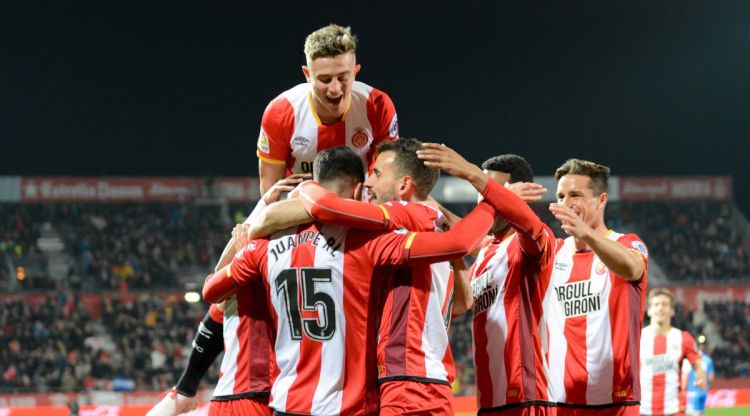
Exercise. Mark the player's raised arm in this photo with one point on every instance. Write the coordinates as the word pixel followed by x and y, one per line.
pixel 506 202
pixel 400 247
pixel 326 206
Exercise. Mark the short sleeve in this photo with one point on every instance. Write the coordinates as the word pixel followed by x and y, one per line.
pixel 276 129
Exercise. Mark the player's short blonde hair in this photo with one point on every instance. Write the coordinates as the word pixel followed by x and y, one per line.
pixel 599 174
pixel 661 292
pixel 330 41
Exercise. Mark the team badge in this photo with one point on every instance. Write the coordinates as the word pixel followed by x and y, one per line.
pixel 393 129
pixel 600 268
pixel 360 138
pixel 263 142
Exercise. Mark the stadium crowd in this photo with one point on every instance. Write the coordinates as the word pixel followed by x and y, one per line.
pixel 59 345
pixel 694 242
pixel 138 245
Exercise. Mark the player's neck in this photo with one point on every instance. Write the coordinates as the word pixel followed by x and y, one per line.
pixel 660 329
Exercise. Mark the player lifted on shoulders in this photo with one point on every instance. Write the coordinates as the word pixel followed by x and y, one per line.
pixel 331 109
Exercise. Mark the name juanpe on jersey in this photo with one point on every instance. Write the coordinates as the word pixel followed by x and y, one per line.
pixel 312 237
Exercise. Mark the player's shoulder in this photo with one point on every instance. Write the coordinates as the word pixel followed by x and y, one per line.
pixel 422 217
pixel 367 93
pixel 632 241
pixel 287 100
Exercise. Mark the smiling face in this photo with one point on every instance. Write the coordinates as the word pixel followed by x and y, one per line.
pixel 385 181
pixel 660 310
pixel 331 79
pixel 576 193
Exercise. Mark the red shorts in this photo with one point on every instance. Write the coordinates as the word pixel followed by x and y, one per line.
pixel 532 410
pixel 631 410
pixel 249 406
pixel 414 398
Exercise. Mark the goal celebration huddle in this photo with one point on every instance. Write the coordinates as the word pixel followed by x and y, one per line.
pixel 338 298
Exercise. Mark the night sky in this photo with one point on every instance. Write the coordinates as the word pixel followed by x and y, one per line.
pixel 178 87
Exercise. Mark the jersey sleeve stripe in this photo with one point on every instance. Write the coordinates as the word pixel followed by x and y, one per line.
pixel 387 216
pixel 269 160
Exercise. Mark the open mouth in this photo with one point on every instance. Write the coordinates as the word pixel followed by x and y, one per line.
pixel 335 101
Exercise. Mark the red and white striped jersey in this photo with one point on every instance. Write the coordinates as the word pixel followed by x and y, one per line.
pixel 291 133
pixel 594 319
pixel 413 337
pixel 416 301
pixel 322 355
pixel 248 344
pixel 508 287
pixel 661 356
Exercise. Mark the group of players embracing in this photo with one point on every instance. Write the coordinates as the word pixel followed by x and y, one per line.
pixel 329 303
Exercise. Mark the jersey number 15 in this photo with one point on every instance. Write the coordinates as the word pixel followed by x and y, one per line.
pixel 288 284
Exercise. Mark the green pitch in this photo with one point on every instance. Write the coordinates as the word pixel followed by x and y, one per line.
pixel 734 411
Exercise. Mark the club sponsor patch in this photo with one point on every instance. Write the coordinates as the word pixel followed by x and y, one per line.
pixel 263 142
pixel 640 247
pixel 393 129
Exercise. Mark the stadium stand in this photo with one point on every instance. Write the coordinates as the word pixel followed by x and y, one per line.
pixel 130 255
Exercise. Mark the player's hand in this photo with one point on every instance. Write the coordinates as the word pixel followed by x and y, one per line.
pixel 174 404
pixel 528 191
pixel 700 378
pixel 240 236
pixel 443 157
pixel 284 185
pixel 571 224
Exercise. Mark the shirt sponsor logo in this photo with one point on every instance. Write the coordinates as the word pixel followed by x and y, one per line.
pixel 263 142
pixel 659 364
pixel 360 138
pixel 579 298
pixel 393 129
pixel 484 294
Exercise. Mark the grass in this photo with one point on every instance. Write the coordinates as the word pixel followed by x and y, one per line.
pixel 734 411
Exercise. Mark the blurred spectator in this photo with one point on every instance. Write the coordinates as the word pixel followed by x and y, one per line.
pixel 51 348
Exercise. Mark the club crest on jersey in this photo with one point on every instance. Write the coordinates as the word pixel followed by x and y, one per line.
pixel 393 128
pixel 600 268
pixel 263 142
pixel 640 247
pixel 360 138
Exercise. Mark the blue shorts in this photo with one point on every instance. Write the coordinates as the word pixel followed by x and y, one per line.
pixel 696 402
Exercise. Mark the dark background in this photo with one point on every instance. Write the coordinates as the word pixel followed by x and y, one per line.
pixel 178 87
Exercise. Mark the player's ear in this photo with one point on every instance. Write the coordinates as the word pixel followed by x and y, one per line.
pixel 306 72
pixel 603 198
pixel 358 191
pixel 357 68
